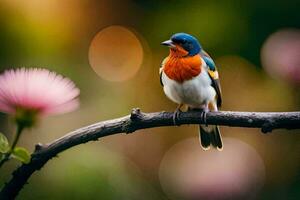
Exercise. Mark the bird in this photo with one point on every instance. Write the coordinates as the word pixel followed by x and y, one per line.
pixel 189 77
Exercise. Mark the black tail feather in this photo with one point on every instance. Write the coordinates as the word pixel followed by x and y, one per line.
pixel 210 135
pixel 217 138
pixel 204 138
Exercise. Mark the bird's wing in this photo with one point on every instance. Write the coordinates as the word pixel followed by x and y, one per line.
pixel 160 75
pixel 214 75
pixel 161 71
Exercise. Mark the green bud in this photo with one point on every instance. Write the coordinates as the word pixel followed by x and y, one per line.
pixel 26 118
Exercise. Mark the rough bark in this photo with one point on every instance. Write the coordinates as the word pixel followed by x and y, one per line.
pixel 138 120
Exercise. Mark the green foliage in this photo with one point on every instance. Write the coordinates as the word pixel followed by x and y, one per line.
pixel 4 145
pixel 21 154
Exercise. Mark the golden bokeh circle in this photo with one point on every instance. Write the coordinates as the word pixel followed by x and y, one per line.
pixel 116 53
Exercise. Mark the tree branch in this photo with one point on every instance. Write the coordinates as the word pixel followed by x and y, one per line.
pixel 138 120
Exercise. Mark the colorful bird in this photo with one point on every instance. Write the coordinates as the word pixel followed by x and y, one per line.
pixel 189 77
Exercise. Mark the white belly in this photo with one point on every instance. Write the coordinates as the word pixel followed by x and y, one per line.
pixel 195 92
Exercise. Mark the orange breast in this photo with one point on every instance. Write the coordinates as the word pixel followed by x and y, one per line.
pixel 182 68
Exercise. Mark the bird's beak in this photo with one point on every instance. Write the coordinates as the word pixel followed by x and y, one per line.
pixel 169 43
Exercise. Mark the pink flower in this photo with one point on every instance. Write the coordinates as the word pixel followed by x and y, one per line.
pixel 36 92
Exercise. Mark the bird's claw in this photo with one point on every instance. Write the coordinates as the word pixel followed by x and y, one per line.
pixel 176 116
pixel 203 117
pixel 203 114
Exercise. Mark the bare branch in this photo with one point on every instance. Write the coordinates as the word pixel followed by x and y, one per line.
pixel 138 120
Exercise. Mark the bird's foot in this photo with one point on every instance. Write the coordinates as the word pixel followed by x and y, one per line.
pixel 176 115
pixel 203 117
pixel 203 114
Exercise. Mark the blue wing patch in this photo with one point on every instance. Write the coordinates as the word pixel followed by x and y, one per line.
pixel 209 62
pixel 213 74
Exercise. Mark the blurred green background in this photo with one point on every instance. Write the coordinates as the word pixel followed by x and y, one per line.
pixel 111 50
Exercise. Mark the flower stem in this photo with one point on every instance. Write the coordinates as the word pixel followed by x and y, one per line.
pixel 17 137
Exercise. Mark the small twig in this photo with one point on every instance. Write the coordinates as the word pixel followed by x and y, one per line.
pixel 138 120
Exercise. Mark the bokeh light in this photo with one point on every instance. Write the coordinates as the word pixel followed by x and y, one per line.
pixel 281 55
pixel 116 53
pixel 57 35
pixel 188 172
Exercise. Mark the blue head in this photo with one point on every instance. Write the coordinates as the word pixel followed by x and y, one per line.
pixel 188 42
